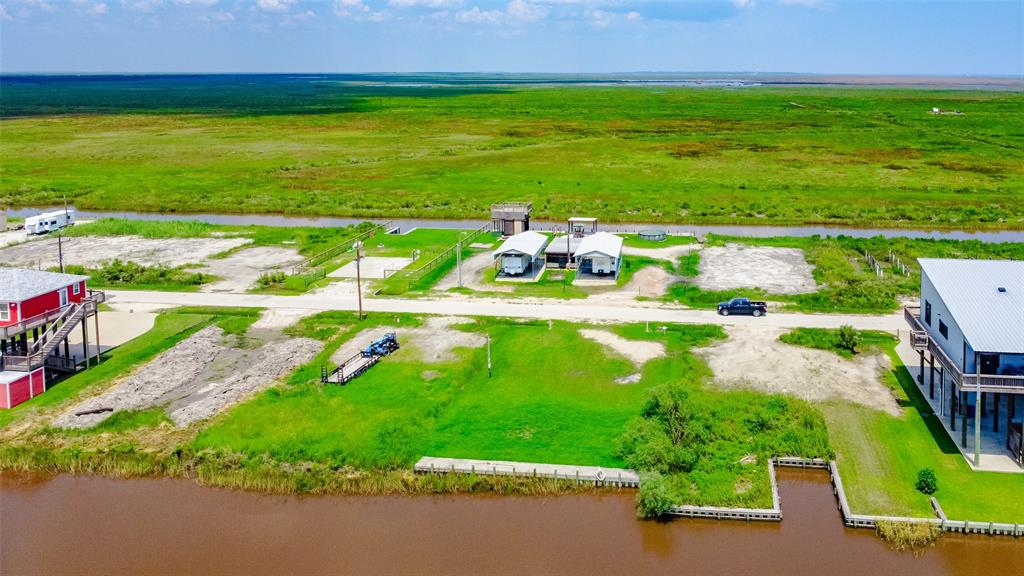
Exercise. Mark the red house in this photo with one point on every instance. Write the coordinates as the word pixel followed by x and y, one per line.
pixel 38 311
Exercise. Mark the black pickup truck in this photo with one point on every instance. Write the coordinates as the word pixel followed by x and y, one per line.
pixel 742 306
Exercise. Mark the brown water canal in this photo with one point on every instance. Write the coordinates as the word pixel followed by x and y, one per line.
pixel 90 525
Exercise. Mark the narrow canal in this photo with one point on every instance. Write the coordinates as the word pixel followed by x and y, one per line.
pixel 91 525
pixel 405 224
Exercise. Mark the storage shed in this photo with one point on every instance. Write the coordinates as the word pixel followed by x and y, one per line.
pixel 580 226
pixel 511 218
pixel 522 254
pixel 599 254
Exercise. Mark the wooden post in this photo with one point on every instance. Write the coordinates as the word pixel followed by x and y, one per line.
pixel 942 390
pixel 96 323
pixel 920 373
pixel 952 406
pixel 963 418
pixel 85 342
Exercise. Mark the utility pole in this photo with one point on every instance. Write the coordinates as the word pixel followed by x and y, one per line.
pixel 359 279
pixel 60 238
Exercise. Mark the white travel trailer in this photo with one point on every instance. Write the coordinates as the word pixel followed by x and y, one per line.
pixel 49 222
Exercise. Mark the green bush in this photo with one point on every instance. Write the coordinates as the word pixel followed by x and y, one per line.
pixel 848 338
pixel 653 499
pixel 119 272
pixel 927 483
pixel 268 279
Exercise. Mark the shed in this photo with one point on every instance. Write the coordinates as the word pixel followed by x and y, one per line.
pixel 521 254
pixel 599 254
pixel 511 218
pixel 559 252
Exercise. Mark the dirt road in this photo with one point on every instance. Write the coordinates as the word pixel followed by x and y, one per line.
pixel 520 308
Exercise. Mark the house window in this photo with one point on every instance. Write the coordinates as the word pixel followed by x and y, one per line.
pixel 5 312
pixel 76 288
pixel 927 312
pixel 943 329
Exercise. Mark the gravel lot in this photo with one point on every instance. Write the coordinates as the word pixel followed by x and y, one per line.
pixel 774 270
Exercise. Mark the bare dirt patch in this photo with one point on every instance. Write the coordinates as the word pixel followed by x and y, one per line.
pixel 94 251
pixel 259 370
pixel 165 378
pixel 280 318
pixel 639 352
pixel 774 270
pixel 239 271
pixel 473 269
pixel 434 341
pixel 754 358
pixel 197 378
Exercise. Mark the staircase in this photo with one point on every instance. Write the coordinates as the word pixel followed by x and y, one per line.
pixel 39 350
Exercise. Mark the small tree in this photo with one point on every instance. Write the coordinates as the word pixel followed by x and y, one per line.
pixel 848 338
pixel 653 500
pixel 927 483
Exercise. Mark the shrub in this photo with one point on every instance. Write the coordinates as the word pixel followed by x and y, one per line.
pixel 927 483
pixel 848 338
pixel 268 279
pixel 653 498
pixel 907 535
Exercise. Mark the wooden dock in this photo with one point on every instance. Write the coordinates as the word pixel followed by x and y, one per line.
pixel 590 474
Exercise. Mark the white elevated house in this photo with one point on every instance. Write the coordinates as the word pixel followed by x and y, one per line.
pixel 599 254
pixel 971 326
pixel 521 254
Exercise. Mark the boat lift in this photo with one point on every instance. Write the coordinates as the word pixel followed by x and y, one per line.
pixel 361 361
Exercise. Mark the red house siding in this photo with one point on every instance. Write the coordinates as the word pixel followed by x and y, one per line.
pixel 42 304
pixel 22 389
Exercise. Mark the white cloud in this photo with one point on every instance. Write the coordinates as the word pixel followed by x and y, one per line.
pixel 515 11
pixel 350 8
pixel 218 16
pixel 4 14
pixel 599 18
pixel 195 2
pixel 526 11
pixel 634 16
pixel 744 3
pixel 804 3
pixel 478 16
pixel 90 7
pixel 274 5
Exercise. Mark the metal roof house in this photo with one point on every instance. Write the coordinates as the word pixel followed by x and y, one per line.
pixel 599 254
pixel 559 251
pixel 38 311
pixel 522 254
pixel 971 325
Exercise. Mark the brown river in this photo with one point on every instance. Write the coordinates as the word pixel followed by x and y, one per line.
pixel 91 525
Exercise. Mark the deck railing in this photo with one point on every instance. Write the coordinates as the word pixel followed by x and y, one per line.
pixel 988 382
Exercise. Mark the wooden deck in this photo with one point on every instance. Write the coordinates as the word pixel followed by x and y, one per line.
pixel 591 474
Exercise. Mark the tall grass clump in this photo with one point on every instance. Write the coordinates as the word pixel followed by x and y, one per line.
pixel 902 536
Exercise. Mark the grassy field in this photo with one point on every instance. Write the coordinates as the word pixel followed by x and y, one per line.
pixel 879 457
pixel 854 156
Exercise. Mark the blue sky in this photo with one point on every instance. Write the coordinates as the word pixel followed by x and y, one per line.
pixel 816 36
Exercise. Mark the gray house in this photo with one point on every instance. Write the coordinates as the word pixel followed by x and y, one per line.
pixel 970 324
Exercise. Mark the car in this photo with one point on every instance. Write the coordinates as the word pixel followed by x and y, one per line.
pixel 743 306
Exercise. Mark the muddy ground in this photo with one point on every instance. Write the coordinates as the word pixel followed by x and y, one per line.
pixel 774 270
pixel 669 253
pixel 754 358
pixel 200 376
pixel 639 352
pixel 473 269
pixel 240 270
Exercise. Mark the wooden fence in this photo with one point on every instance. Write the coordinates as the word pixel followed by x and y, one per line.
pixel 415 274
pixel 315 260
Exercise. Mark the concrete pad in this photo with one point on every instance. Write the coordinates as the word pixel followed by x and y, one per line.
pixel 239 271
pixel 94 251
pixel 372 267
pixel 774 270
pixel 116 328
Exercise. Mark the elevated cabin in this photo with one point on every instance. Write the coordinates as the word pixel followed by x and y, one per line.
pixel 38 311
pixel 511 218
pixel 970 325
pixel 521 254
pixel 580 226
pixel 560 250
pixel 599 254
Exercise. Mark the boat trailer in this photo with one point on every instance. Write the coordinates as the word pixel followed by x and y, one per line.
pixel 361 361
